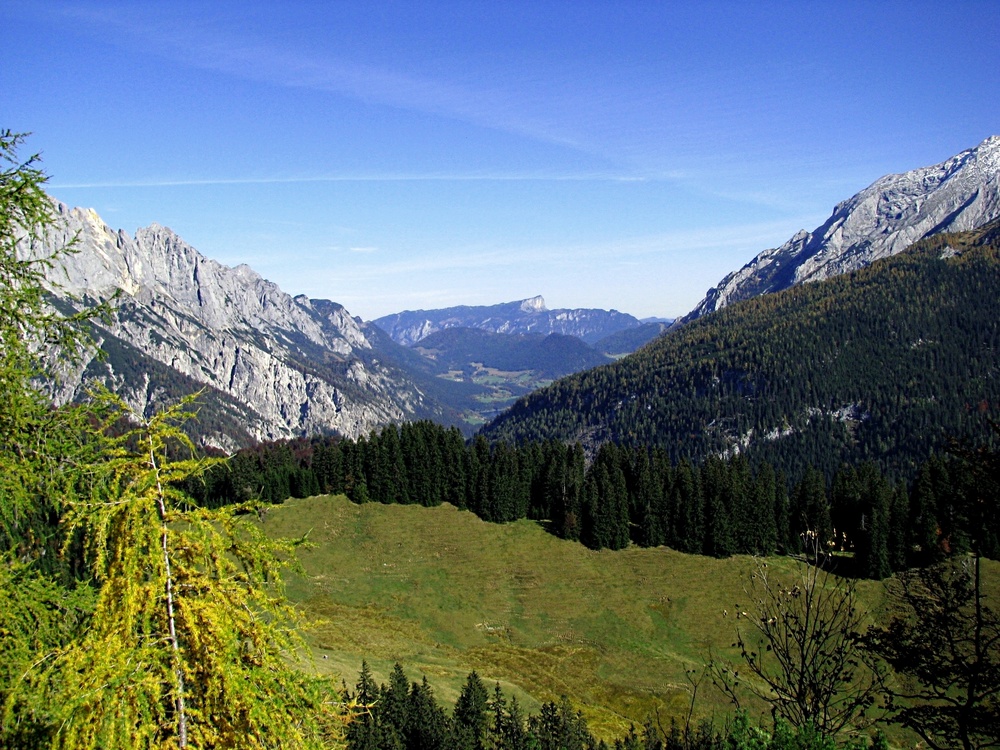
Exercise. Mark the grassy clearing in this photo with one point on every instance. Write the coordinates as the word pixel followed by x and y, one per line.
pixel 443 593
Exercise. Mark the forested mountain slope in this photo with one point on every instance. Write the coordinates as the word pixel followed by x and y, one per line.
pixel 885 363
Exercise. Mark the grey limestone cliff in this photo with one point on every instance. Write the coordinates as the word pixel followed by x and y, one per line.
pixel 292 365
pixel 897 210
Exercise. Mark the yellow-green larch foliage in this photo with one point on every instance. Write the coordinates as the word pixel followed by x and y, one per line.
pixel 42 450
pixel 191 643
pixel 129 617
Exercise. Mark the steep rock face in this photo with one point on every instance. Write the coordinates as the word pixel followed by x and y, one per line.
pixel 296 366
pixel 897 210
pixel 524 316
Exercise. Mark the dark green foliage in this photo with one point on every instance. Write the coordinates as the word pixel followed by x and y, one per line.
pixel 427 727
pixel 881 364
pixel 631 495
pixel 410 720
pixel 559 727
pixel 944 643
pixel 606 514
pixel 549 356
pixel 367 729
pixel 507 727
pixel 810 511
pixel 470 720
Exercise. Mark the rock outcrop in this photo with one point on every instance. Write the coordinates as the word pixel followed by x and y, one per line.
pixel 959 194
pixel 283 366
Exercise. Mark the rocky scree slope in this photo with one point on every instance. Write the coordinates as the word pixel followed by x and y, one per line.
pixel 283 366
pixel 897 210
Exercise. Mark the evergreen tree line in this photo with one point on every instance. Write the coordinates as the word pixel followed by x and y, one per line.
pixel 629 495
pixel 405 715
pixel 881 365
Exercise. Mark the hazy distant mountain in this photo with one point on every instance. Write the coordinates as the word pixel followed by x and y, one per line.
pixel 627 341
pixel 548 356
pixel 274 366
pixel 525 316
pixel 883 219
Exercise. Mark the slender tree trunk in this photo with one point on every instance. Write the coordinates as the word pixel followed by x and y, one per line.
pixel 178 672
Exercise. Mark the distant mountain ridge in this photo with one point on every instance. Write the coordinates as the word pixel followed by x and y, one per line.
pixel 549 356
pixel 523 316
pixel 958 194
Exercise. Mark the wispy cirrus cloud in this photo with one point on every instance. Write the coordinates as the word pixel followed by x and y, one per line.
pixel 208 41
pixel 361 178
pixel 752 237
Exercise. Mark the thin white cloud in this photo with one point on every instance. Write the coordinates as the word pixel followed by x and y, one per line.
pixel 402 177
pixel 752 238
pixel 210 44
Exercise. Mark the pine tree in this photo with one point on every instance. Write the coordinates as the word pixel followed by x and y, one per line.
pixel 365 731
pixel 899 515
pixel 428 726
pixel 559 727
pixel 924 528
pixel 873 545
pixel 689 509
pixel 788 542
pixel 811 513
pixel 507 730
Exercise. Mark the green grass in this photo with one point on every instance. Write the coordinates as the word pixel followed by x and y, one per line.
pixel 443 593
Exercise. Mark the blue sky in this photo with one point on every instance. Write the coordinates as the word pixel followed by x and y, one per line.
pixel 396 155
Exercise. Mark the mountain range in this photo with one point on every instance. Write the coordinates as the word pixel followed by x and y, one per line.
pixel 526 316
pixel 274 366
pixel 885 364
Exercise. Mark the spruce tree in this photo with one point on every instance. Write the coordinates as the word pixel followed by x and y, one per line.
pixel 428 725
pixel 471 717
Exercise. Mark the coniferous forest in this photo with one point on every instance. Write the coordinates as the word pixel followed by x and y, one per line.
pixel 884 364
pixel 625 496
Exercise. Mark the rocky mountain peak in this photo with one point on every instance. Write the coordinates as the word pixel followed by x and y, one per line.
pixel 533 304
pixel 287 366
pixel 958 194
